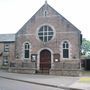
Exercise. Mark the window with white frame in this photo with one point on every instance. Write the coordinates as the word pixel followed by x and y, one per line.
pixel 26 50
pixel 5 60
pixel 6 47
pixel 65 49
pixel 45 33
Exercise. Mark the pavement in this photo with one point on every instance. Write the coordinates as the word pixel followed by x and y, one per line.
pixel 63 82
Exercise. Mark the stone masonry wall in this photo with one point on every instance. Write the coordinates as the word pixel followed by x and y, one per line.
pixel 66 68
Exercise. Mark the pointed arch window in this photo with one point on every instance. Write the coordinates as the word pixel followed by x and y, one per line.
pixel 65 49
pixel 26 50
pixel 45 13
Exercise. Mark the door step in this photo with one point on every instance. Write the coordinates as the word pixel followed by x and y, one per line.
pixel 46 72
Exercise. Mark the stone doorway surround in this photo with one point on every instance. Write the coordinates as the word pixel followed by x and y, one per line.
pixel 38 57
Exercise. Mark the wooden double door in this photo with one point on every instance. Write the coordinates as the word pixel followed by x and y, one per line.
pixel 45 61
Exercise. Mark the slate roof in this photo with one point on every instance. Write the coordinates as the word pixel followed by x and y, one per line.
pixel 7 37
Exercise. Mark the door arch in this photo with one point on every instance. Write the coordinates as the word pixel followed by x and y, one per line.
pixel 45 60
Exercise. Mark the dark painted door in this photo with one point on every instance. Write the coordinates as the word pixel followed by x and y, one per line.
pixel 45 60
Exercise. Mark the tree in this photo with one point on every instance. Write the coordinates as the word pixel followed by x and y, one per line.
pixel 85 47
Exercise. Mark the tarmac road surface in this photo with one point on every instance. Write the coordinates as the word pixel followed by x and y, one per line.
pixel 6 84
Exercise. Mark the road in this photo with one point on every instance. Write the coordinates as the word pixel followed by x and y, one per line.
pixel 6 84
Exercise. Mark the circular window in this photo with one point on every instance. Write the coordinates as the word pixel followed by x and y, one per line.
pixel 45 33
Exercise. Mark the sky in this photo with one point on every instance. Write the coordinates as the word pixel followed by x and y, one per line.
pixel 15 13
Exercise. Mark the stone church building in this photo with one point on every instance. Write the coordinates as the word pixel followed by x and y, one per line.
pixel 47 43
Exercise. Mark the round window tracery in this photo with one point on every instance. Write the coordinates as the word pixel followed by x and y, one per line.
pixel 45 33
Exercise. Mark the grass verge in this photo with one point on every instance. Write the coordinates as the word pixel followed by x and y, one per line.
pixel 85 80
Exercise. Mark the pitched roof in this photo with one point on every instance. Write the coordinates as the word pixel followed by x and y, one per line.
pixel 7 37
pixel 39 13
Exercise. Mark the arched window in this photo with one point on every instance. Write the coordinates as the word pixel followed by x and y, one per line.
pixel 45 13
pixel 65 49
pixel 26 50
